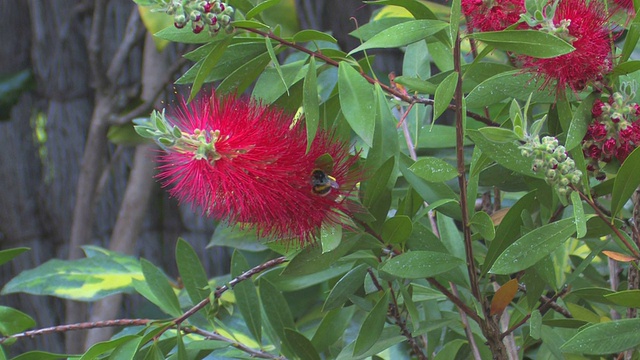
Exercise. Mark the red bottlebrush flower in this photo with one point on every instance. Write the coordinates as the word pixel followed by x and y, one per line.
pixel 591 59
pixel 247 164
pixel 492 15
pixel 597 131
pixel 623 151
pixel 609 147
pixel 594 152
pixel 596 110
pixel 627 134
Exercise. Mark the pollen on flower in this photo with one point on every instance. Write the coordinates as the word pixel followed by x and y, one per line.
pixel 586 24
pixel 492 15
pixel 245 163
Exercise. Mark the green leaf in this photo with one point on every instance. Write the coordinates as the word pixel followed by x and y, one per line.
pixel 313 35
pixel 86 279
pixel 415 64
pixel 533 246
pixel 159 285
pixel 626 182
pixel 7 255
pixel 482 222
pixel 397 229
pixel 310 102
pixel 499 135
pixel 345 287
pixel 242 77
pixel 433 169
pixel 275 62
pixel 332 327
pixel 191 272
pixel 126 350
pixel 313 260
pixel 357 101
pixel 535 324
pixel 13 321
pixel 630 41
pixel 444 94
pixel 260 8
pixel 234 237
pixel 301 346
pixel 605 338
pixel 402 34
pixel 330 236
pixel 430 192
pixel 421 86
pixel 505 154
pixel 249 24
pixel 450 350
pixel 105 346
pixel 626 298
pixel 533 43
pixel 208 63
pixel 509 229
pixel 40 355
pixel 420 264
pixel 507 85
pixel 277 311
pixel 247 296
pixel 578 214
pixel 372 326
pixel 418 9
pixel 581 120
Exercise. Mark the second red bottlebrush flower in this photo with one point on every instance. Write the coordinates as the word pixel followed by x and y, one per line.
pixel 584 25
pixel 492 15
pixel 248 164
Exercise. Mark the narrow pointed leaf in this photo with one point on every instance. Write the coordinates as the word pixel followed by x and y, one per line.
pixel 159 285
pixel 532 247
pixel 301 346
pixel 247 296
pixel 526 42
pixel 402 34
pixel 191 272
pixel 444 94
pixel 434 169
pixel 208 63
pixel 504 296
pixel 420 264
pixel 578 214
pixel 345 287
pixel 605 338
pixel 357 101
pixel 372 326
pixel 7 255
pixel 626 182
pixel 310 102
pixel 397 229
pixel 13 321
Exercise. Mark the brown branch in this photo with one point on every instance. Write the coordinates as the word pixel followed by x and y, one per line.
pixel 219 291
pixel 402 324
pixel 455 300
pixel 462 181
pixel 78 326
pixel 410 99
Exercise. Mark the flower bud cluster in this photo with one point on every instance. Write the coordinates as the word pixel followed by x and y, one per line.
pixel 212 14
pixel 551 159
pixel 614 132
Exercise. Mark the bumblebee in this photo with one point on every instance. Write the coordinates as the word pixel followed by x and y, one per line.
pixel 321 183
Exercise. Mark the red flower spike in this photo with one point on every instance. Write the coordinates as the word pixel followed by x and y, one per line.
pixel 596 110
pixel 609 147
pixel 592 55
pixel 492 15
pixel 251 168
